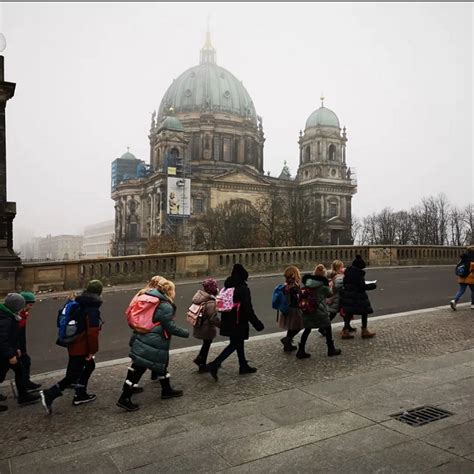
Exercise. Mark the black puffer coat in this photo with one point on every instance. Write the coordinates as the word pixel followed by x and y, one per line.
pixel 354 299
pixel 8 333
pixel 237 325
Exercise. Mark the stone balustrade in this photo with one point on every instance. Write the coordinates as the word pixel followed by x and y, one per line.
pixel 74 274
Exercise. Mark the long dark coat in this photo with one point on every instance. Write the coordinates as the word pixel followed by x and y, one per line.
pixel 237 326
pixel 354 299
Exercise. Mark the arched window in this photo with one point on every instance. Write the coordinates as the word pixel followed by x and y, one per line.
pixel 174 153
pixel 332 152
pixel 307 154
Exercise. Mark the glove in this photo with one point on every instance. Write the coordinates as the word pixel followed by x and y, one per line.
pixel 259 326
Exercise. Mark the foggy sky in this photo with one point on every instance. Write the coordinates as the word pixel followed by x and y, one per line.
pixel 399 77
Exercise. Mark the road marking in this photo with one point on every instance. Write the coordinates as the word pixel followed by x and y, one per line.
pixel 273 335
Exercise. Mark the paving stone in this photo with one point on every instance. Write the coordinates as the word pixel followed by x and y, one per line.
pixel 309 458
pixel 141 454
pixel 467 384
pixel 359 442
pixel 458 466
pixel 96 463
pixel 410 457
pixel 458 439
pixel 290 437
pixel 5 467
pixel 438 362
pixel 197 461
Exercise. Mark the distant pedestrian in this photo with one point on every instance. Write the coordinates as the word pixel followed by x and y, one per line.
pixel 150 350
pixel 206 329
pixel 235 323
pixel 24 357
pixel 354 298
pixel 9 353
pixel 293 321
pixel 81 350
pixel 467 259
pixel 315 311
pixel 336 283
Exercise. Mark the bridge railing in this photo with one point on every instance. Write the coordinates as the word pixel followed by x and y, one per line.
pixel 74 274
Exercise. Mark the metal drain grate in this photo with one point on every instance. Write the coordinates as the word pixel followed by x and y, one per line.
pixel 421 415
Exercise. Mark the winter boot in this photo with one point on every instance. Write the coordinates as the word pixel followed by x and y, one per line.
pixel 287 344
pixel 213 369
pixel 332 351
pixel 126 403
pixel 366 334
pixel 247 369
pixel 167 391
pixel 48 396
pixel 452 303
pixel 345 334
pixel 31 386
pixel 301 354
pixel 201 363
pixel 81 397
pixel 351 329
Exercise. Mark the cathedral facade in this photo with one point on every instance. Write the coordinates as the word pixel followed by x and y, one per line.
pixel 206 148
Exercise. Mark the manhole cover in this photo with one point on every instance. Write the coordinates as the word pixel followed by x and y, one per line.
pixel 421 415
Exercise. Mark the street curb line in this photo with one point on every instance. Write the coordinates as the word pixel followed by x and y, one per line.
pixel 273 335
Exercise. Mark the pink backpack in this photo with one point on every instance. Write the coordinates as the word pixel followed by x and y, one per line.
pixel 140 313
pixel 225 300
pixel 194 316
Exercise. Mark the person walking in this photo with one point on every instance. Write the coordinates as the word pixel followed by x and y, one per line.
pixel 336 282
pixel 235 323
pixel 25 359
pixel 315 311
pixel 467 258
pixel 293 321
pixel 81 350
pixel 206 330
pixel 151 350
pixel 354 298
pixel 9 353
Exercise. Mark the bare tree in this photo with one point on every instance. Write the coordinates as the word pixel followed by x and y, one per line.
pixel 272 215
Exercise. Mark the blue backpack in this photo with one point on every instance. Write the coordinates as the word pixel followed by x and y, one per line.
pixel 463 269
pixel 280 300
pixel 68 323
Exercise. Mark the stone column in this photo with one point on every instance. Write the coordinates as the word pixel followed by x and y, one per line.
pixel 10 264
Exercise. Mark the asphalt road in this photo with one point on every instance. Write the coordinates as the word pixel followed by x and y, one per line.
pixel 399 289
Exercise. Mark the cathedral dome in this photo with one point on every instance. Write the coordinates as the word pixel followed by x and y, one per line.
pixel 322 117
pixel 208 87
pixel 172 123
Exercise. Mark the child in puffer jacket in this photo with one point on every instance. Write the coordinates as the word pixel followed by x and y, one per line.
pixel 151 350
pixel 206 330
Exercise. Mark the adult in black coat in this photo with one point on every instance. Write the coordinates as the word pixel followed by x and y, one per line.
pixel 235 323
pixel 354 299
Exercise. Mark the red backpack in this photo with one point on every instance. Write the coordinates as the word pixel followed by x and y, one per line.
pixel 140 312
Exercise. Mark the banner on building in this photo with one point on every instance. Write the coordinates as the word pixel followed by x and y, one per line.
pixel 178 202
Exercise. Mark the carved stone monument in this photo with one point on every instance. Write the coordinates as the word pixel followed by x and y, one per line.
pixel 9 262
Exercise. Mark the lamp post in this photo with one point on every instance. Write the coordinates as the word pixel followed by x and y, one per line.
pixel 9 262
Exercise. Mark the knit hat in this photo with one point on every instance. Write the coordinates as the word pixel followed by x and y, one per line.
pixel 210 286
pixel 239 271
pixel 29 296
pixel 95 287
pixel 14 302
pixel 359 262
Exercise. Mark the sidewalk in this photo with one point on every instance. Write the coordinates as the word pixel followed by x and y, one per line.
pixel 316 415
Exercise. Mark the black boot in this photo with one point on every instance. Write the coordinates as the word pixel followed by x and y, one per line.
pixel 332 351
pixel 126 403
pixel 167 391
pixel 247 369
pixel 288 344
pixel 213 368
pixel 201 363
pixel 301 354
pixel 48 396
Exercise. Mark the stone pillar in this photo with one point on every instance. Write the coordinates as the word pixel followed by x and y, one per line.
pixel 10 264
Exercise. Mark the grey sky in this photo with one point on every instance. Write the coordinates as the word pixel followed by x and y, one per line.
pixel 399 76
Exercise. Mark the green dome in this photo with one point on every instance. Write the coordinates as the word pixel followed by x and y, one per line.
pixel 208 87
pixel 172 123
pixel 128 156
pixel 322 117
